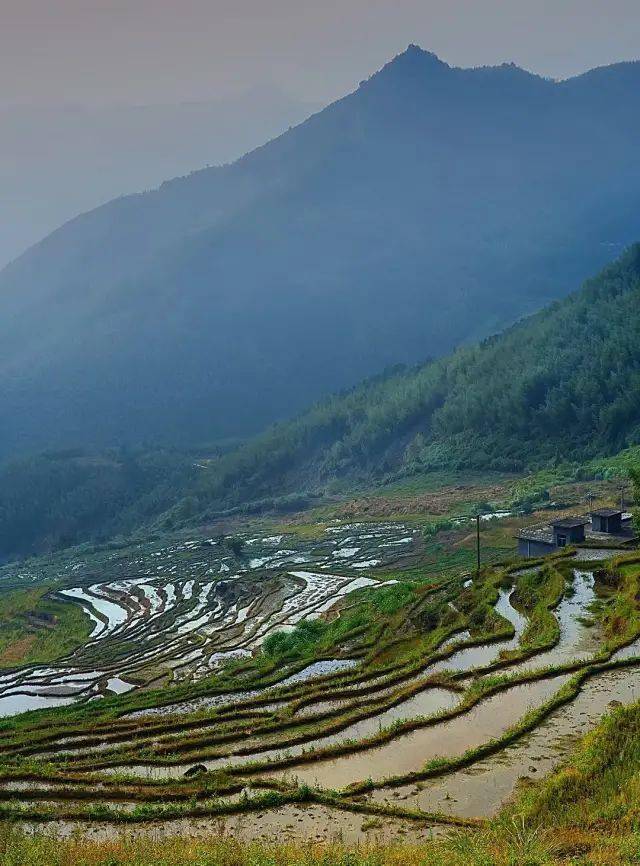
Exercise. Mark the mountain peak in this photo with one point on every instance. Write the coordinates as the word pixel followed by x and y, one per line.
pixel 414 63
pixel 413 50
pixel 418 58
pixel 428 209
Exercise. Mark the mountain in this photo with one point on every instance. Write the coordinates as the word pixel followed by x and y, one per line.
pixel 429 208
pixel 561 385
pixel 61 160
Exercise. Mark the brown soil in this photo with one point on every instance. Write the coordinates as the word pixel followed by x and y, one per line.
pixel 435 502
pixel 16 651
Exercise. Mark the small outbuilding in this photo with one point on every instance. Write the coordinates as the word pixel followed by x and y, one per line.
pixel 606 526
pixel 607 520
pixel 568 530
pixel 535 541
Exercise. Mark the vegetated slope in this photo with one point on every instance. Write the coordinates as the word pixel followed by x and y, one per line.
pixel 60 499
pixel 563 384
pixel 432 206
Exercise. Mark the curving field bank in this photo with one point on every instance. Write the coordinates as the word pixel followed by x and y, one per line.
pixel 344 703
pixel 162 614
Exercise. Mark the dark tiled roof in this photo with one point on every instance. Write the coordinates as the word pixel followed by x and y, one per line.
pixel 569 522
pixel 607 512
pixel 542 534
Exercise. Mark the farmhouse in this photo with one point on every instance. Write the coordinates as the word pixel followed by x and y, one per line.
pixel 606 525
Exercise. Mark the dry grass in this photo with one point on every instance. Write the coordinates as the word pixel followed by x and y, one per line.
pixel 511 844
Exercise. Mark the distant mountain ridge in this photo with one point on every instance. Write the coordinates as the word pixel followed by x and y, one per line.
pixel 61 160
pixel 431 207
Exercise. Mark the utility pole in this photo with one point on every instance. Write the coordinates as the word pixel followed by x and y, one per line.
pixel 478 545
pixel 623 487
pixel 590 496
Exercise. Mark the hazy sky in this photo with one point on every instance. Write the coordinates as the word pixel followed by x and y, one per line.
pixel 138 51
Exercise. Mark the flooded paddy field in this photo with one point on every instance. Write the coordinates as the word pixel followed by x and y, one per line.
pixel 480 789
pixel 483 722
pixel 181 612
pixel 426 703
pixel 579 638
pixel 311 690
pixel 313 823
pixel 480 656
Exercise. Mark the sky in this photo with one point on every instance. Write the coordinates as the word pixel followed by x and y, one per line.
pixel 130 52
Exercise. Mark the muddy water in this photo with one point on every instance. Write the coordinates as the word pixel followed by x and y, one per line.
pixel 310 823
pixel 322 707
pixel 480 656
pixel 426 703
pixel 82 805
pixel 489 719
pixel 577 641
pixel 481 789
pixel 12 704
pixel 627 652
pixel 354 700
pixel 19 785
pixel 379 685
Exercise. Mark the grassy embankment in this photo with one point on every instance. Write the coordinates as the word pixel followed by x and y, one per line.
pixel 584 813
pixel 618 591
pixel 36 629
pixel 284 730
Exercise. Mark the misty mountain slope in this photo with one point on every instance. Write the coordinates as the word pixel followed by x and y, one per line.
pixel 60 160
pixel 563 384
pixel 431 207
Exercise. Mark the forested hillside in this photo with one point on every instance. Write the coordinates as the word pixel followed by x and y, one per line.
pixel 561 385
pixel 431 207
pixel 60 499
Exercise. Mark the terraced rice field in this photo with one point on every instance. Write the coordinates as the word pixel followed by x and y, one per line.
pixel 419 704
pixel 153 621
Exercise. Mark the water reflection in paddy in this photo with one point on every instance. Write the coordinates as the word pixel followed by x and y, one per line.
pixel 468 658
pixel 322 668
pixel 463 660
pixel 426 703
pixel 578 641
pixel 10 705
pixel 481 656
pixel 481 789
pixel 486 720
pixel 308 823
